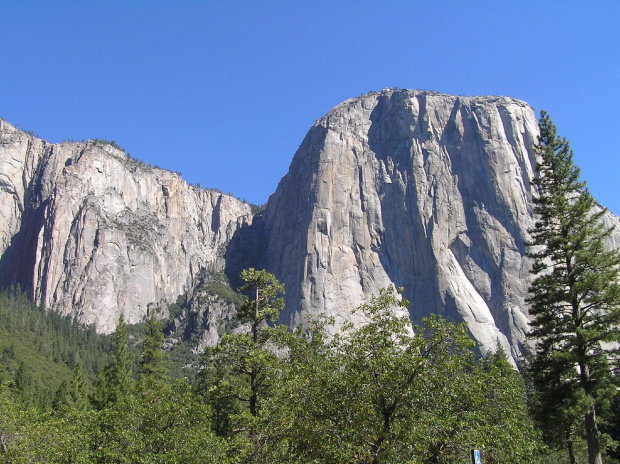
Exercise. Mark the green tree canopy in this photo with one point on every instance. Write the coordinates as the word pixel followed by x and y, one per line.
pixel 238 373
pixel 388 393
pixel 265 302
pixel 115 380
pixel 152 359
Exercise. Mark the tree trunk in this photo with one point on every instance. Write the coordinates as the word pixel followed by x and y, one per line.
pixel 4 448
pixel 255 322
pixel 569 446
pixel 254 373
pixel 592 437
pixel 253 392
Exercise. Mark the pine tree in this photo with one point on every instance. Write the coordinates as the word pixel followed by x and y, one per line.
pixel 264 303
pixel 237 372
pixel 575 296
pixel 78 388
pixel 22 385
pixel 263 306
pixel 60 401
pixel 115 380
pixel 152 358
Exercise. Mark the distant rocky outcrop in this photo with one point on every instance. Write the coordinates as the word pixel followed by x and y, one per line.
pixel 422 190
pixel 88 231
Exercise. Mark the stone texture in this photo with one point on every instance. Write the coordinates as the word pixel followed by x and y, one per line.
pixel 86 230
pixel 425 191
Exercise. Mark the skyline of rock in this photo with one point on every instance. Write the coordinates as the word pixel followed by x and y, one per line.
pixel 426 191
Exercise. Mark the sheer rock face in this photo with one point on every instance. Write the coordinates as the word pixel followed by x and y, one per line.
pixel 421 190
pixel 425 191
pixel 87 231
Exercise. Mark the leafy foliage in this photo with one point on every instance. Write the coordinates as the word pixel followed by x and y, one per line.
pixel 384 393
pixel 159 422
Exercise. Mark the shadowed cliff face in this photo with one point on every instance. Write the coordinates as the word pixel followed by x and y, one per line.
pixel 426 191
pixel 87 231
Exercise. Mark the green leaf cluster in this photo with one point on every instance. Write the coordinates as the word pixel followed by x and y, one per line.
pixel 385 392
pixel 390 393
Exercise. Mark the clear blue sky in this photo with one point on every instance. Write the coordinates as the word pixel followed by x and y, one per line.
pixel 225 91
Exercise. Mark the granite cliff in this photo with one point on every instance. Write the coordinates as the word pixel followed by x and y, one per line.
pixel 422 190
pixel 88 231
pixel 425 191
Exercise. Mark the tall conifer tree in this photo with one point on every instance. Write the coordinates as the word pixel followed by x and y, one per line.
pixel 115 380
pixel 263 306
pixel 152 363
pixel 78 388
pixel 239 370
pixel 575 296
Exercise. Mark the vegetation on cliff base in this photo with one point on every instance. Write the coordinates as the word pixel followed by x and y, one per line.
pixel 382 393
pixel 40 348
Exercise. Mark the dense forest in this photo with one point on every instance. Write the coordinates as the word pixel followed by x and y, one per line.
pixel 378 394
pixel 385 392
pixel 39 349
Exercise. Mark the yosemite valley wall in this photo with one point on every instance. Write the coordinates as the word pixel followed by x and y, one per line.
pixel 427 191
pixel 86 230
pixel 422 190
